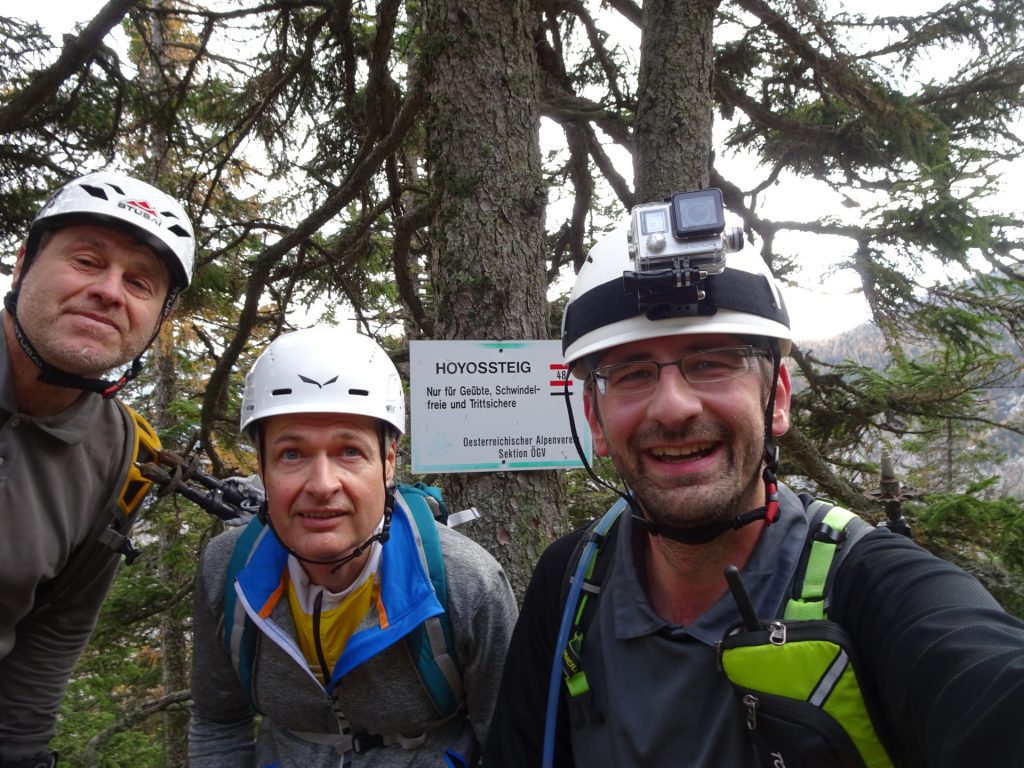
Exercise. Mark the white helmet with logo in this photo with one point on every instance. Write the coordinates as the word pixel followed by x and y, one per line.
pixel 742 300
pixel 127 204
pixel 131 206
pixel 323 370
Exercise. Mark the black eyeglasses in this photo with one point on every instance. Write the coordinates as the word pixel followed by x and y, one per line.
pixel 705 367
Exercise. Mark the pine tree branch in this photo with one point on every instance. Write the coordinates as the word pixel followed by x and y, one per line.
pixel 369 159
pixel 801 452
pixel 93 753
pixel 73 57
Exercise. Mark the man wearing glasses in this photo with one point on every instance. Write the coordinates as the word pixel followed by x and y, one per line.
pixel 686 391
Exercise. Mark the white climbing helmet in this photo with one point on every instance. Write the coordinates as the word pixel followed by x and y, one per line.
pixel 743 300
pixel 323 370
pixel 127 204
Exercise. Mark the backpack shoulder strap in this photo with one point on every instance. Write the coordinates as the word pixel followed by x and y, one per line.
pixel 145 447
pixel 831 533
pixel 589 564
pixel 112 531
pixel 431 644
pixel 239 630
pixel 430 495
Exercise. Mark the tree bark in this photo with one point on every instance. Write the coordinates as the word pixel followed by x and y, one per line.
pixel 675 104
pixel 487 265
pixel 174 656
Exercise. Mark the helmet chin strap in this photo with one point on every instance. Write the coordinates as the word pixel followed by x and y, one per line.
pixel 771 450
pixel 700 534
pixel 50 374
pixel 705 533
pixel 263 513
pixel 382 535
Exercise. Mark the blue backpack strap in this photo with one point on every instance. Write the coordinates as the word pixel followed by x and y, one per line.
pixel 431 644
pixel 429 495
pixel 590 569
pixel 581 589
pixel 239 630
pixel 832 532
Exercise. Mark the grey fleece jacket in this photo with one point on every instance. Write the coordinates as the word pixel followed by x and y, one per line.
pixel 382 696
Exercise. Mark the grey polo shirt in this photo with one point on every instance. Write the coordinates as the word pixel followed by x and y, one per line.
pixel 656 685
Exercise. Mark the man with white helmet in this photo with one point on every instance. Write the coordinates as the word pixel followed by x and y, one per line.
pixel 338 587
pixel 104 260
pixel 708 559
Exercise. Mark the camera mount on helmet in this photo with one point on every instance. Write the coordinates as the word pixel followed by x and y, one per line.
pixel 675 245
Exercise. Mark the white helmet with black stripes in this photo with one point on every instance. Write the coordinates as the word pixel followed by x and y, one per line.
pixel 121 202
pixel 743 300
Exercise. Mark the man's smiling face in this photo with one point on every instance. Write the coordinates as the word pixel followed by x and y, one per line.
pixel 692 454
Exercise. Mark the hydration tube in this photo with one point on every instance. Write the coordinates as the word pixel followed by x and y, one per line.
pixel 551 715
pixel 572 599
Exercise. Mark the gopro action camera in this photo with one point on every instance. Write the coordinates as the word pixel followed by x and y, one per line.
pixel 675 245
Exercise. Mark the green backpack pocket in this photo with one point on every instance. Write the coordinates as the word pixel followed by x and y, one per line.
pixel 799 687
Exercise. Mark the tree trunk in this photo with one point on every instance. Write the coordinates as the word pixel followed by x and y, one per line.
pixel 173 648
pixel 174 656
pixel 675 105
pixel 488 251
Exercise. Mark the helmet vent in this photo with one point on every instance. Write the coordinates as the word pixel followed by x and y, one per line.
pixel 96 191
pixel 360 392
pixel 179 230
pixel 279 392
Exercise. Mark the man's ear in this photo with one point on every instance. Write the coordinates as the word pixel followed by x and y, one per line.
pixel 783 390
pixel 594 420
pixel 18 265
pixel 389 461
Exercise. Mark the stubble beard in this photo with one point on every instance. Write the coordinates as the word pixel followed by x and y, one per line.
pixel 699 502
pixel 70 354
pixel 82 359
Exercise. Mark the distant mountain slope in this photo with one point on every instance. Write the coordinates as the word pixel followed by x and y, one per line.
pixel 864 345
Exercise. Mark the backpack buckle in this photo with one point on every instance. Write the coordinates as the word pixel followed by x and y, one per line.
pixel 119 543
pixel 364 742
pixel 829 535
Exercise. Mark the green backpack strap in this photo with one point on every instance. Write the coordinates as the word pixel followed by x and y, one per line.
pixel 431 644
pixel 797 678
pixel 239 630
pixel 832 533
pixel 599 537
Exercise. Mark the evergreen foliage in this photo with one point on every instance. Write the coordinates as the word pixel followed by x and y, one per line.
pixel 298 134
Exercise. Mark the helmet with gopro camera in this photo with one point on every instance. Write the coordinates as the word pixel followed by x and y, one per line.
pixel 674 270
pixel 652 278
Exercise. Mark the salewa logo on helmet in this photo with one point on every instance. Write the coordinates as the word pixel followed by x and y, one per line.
pixel 142 208
pixel 318 384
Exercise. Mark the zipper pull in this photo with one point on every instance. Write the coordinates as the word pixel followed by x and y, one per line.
pixel 777 633
pixel 318 604
pixel 750 702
